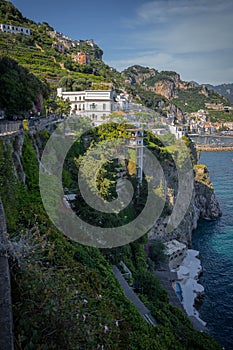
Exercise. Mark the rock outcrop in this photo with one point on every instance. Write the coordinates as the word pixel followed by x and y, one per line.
pixel 163 83
pixel 165 87
pixel 203 205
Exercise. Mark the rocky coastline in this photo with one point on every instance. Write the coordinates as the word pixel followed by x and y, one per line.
pixel 191 291
pixel 215 148
pixel 204 205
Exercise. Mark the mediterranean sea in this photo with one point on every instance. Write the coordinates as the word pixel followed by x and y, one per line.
pixel 214 240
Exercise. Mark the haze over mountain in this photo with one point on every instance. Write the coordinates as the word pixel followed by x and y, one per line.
pixel 223 89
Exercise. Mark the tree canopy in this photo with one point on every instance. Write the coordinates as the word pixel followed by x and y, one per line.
pixel 20 90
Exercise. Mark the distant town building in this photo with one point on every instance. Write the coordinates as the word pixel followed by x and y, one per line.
pixel 159 131
pixel 228 125
pixel 10 28
pixel 81 58
pixel 59 47
pixel 123 102
pixel 68 42
pixel 215 106
pixel 178 130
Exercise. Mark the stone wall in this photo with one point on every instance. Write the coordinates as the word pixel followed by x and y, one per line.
pixel 6 318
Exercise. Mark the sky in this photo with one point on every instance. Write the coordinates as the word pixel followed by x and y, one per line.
pixel 192 37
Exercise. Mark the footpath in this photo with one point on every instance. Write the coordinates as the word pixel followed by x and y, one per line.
pixel 129 293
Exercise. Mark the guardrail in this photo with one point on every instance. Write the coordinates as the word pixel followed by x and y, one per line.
pixel 10 127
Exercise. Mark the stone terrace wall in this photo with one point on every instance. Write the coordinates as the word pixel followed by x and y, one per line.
pixel 6 318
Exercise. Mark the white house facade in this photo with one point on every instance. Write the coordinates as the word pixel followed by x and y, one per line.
pixel 95 104
pixel 10 28
pixel 176 252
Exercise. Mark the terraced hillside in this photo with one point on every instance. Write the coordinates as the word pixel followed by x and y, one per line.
pixel 38 52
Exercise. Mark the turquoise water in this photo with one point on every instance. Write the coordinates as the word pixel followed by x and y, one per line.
pixel 179 291
pixel 214 240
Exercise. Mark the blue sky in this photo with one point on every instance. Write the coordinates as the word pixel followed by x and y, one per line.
pixel 193 38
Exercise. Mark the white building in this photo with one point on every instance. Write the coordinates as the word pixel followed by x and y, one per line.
pixel 178 131
pixel 159 131
pixel 10 28
pixel 176 251
pixel 123 102
pixel 95 104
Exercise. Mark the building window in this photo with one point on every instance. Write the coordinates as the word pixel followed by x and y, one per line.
pixel 75 107
pixel 80 98
pixel 104 106
pixel 75 98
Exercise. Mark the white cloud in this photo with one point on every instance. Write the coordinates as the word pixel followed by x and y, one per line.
pixel 192 38
pixel 165 10
pixel 195 28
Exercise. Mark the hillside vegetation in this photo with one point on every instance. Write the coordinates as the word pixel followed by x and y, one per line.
pixel 169 88
pixel 65 294
pixel 20 90
pixel 194 99
pixel 37 53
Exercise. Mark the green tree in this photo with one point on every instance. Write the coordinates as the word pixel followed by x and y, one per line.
pixel 66 82
pixel 63 106
pixel 157 251
pixel 20 90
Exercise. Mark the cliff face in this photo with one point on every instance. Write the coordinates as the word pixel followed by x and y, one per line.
pixel 163 83
pixel 203 205
pixel 164 87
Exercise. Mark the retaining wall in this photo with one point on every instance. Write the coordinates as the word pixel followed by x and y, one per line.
pixel 6 318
